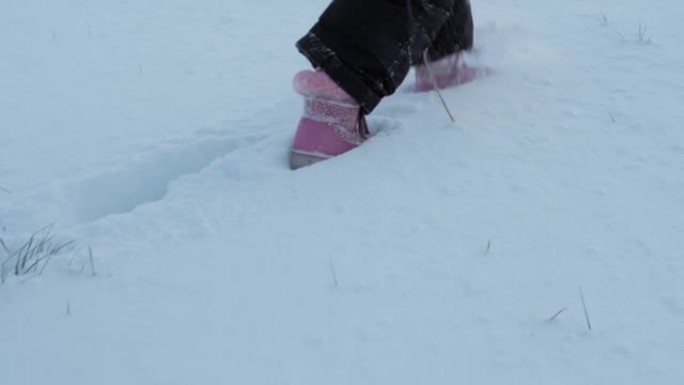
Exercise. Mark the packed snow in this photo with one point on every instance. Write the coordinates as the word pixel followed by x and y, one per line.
pixel 539 239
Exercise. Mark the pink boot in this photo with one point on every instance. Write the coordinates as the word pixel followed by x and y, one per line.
pixel 446 72
pixel 332 124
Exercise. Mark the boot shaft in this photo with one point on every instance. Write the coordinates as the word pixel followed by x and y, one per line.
pixel 332 123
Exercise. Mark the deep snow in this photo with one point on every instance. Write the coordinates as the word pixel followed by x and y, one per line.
pixel 156 132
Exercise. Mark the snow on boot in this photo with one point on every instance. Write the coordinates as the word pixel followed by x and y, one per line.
pixel 446 72
pixel 332 123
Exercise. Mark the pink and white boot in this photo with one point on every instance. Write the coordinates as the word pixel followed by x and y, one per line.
pixel 449 71
pixel 332 123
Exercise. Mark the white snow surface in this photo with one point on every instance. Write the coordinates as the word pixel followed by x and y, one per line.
pixel 156 134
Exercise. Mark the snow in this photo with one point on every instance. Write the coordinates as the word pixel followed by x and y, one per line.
pixel 156 134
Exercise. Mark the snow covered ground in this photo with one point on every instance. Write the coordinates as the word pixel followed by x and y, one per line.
pixel 155 133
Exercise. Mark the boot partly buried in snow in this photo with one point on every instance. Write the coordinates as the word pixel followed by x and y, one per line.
pixel 332 123
pixel 448 71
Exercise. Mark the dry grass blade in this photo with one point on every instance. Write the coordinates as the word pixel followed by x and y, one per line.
pixel 584 306
pixel 333 272
pixel 4 247
pixel 558 313
pixel 53 252
pixel 92 260
pixel 434 81
pixel 642 36
pixel 39 248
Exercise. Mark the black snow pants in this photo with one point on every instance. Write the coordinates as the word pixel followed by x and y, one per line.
pixel 368 46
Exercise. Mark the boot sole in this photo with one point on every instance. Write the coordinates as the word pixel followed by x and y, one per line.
pixel 298 160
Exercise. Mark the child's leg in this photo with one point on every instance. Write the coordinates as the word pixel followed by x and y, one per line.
pixel 444 53
pixel 367 46
pixel 456 35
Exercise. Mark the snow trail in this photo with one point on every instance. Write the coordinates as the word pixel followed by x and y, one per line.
pixel 435 252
